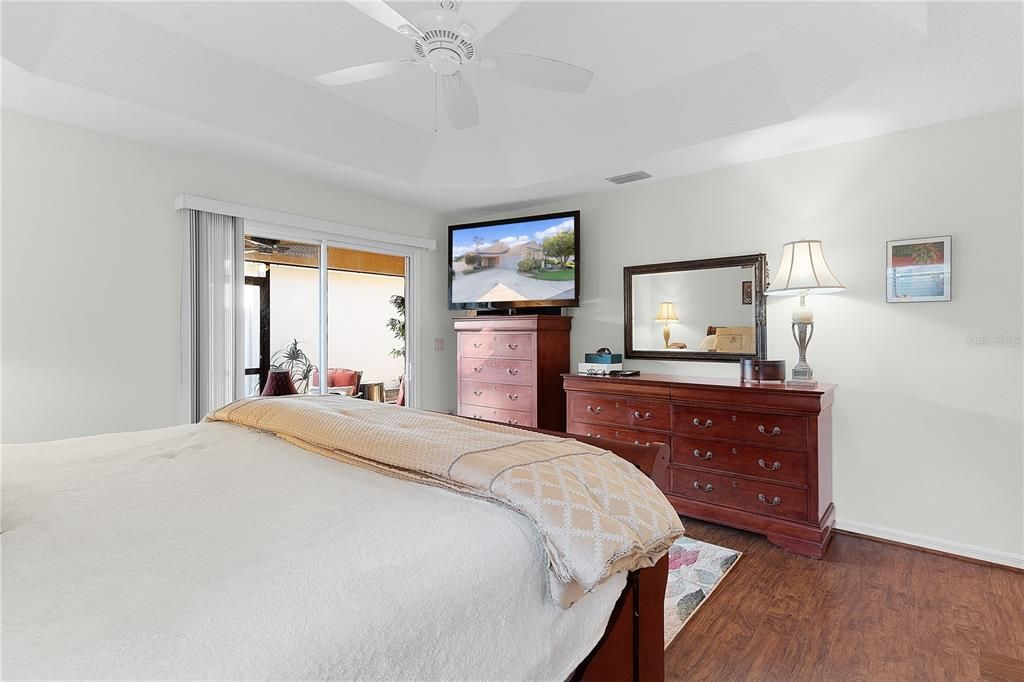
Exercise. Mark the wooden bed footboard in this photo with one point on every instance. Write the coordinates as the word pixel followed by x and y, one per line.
pixel 633 645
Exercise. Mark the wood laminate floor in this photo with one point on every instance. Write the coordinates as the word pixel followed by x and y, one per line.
pixel 869 611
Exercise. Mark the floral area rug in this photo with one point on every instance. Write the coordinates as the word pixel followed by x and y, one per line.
pixel 695 569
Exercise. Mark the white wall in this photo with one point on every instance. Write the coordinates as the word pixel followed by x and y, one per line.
pixel 91 272
pixel 927 418
pixel 358 308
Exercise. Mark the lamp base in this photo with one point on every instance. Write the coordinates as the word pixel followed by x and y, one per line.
pixel 803 330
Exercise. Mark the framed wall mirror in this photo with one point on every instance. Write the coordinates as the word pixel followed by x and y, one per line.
pixel 709 310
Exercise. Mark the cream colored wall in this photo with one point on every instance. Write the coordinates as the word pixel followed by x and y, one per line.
pixel 91 266
pixel 928 413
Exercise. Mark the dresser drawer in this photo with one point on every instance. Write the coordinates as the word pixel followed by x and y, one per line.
pixel 777 431
pixel 495 345
pixel 513 417
pixel 497 370
pixel 616 433
pixel 599 409
pixel 739 493
pixel 507 396
pixel 723 456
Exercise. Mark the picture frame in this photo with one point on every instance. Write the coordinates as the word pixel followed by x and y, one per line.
pixel 919 270
pixel 747 292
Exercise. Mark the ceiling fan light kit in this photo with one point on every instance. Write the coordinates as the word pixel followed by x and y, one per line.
pixel 444 43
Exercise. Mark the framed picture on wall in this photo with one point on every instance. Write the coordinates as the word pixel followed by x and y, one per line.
pixel 747 292
pixel 918 270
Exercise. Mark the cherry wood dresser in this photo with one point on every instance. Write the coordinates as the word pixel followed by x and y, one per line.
pixel 752 456
pixel 510 369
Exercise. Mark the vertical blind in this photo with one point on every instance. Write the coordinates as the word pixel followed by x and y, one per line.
pixel 213 278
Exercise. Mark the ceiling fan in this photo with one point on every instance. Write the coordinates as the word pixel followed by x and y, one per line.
pixel 269 247
pixel 445 43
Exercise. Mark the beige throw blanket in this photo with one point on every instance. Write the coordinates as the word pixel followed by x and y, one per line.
pixel 596 513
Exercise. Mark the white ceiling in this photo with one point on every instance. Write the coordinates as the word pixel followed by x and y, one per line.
pixel 679 87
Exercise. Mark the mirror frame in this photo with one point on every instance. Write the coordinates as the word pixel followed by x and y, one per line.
pixel 758 261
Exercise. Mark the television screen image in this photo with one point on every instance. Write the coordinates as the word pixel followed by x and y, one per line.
pixel 518 262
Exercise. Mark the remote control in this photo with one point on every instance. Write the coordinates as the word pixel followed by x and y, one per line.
pixel 624 373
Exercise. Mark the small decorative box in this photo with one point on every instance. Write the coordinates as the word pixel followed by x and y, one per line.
pixel 598 359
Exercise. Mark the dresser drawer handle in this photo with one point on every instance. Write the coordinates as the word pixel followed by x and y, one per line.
pixel 591 436
pixel 512 346
pixel 646 416
pixel 775 501
pixel 512 421
pixel 595 410
pixel 476 416
pixel 477 345
pixel 774 432
pixel 774 467
pixel 703 488
pixel 646 445
pixel 478 369
pixel 705 425
pixel 512 396
pixel 512 371
pixel 477 392
pixel 706 456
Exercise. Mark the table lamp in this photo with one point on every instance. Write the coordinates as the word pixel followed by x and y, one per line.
pixel 279 382
pixel 803 271
pixel 666 314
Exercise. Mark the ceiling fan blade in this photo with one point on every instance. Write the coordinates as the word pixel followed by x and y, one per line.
pixel 459 101
pixel 363 72
pixel 385 14
pixel 542 72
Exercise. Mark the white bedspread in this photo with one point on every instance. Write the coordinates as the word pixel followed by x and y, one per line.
pixel 212 551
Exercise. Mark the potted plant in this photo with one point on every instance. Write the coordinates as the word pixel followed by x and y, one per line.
pixel 294 360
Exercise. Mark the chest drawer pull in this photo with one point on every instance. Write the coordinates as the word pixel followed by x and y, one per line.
pixel 595 410
pixel 645 417
pixel 705 425
pixel 774 501
pixel 477 345
pixel 589 435
pixel 512 396
pixel 705 456
pixel 478 369
pixel 477 392
pixel 646 445
pixel 512 421
pixel 512 346
pixel 703 488
pixel 512 371
pixel 774 432
pixel 774 467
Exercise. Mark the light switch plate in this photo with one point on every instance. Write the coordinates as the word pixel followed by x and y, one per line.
pixel 438 344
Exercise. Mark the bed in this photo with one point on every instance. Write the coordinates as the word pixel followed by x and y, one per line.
pixel 220 551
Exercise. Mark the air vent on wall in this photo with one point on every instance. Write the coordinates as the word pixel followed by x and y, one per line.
pixel 629 177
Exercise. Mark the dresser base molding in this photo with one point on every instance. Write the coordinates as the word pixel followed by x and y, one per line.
pixel 800 538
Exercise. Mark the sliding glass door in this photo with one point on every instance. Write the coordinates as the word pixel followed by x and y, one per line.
pixel 332 316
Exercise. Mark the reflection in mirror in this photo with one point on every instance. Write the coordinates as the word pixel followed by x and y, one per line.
pixel 696 310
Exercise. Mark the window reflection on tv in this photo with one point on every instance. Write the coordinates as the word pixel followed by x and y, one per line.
pixel 519 262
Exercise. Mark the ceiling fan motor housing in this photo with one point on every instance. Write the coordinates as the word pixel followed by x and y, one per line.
pixel 444 50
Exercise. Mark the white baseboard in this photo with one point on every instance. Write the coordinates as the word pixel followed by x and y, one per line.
pixel 994 556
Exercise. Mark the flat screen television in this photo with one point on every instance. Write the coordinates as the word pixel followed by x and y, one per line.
pixel 528 262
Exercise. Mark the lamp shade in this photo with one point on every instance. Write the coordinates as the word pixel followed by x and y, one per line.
pixel 803 269
pixel 666 312
pixel 279 382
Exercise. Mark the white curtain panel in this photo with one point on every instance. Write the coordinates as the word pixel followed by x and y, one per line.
pixel 213 279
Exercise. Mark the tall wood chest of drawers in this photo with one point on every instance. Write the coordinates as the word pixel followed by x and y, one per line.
pixel 510 369
pixel 751 456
